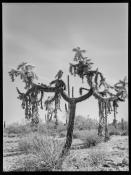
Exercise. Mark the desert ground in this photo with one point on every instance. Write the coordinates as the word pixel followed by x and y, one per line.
pixel 113 155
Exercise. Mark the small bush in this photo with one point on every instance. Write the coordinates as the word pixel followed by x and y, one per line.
pixel 42 152
pixel 115 132
pixel 90 138
pixel 119 130
pixel 124 133
pixel 92 141
pixel 35 143
pixel 123 125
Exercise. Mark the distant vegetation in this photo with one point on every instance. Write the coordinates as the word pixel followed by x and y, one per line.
pixel 121 128
pixel 82 127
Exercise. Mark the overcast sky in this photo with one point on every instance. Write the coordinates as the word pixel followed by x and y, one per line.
pixel 45 34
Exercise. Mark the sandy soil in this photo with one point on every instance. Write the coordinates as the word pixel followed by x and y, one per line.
pixel 113 155
pixel 106 156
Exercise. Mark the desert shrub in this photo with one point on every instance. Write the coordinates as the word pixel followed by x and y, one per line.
pixel 90 138
pixel 121 126
pixel 23 129
pixel 42 128
pixel 13 128
pixel 42 152
pixel 113 131
pixel 35 142
pixel 17 129
pixel 82 123
pixel 91 123
pixel 124 133
pixel 118 131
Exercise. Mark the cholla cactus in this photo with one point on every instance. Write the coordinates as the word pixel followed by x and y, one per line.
pixel 24 71
pixel 59 74
pixel 78 55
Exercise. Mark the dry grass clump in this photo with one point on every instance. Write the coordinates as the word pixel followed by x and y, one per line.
pixel 42 153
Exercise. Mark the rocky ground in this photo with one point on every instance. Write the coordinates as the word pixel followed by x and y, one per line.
pixel 110 156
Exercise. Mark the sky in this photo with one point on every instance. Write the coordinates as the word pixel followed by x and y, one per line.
pixel 44 35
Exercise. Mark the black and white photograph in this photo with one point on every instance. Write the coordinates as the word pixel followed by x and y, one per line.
pixel 65 87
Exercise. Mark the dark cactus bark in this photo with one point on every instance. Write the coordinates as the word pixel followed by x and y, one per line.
pixel 67 146
pixel 68 85
pixel 69 135
pixel 100 127
pixel 69 129
pixel 115 121
pixel 4 124
pixel 106 130
pixel 122 124
pixel 72 91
